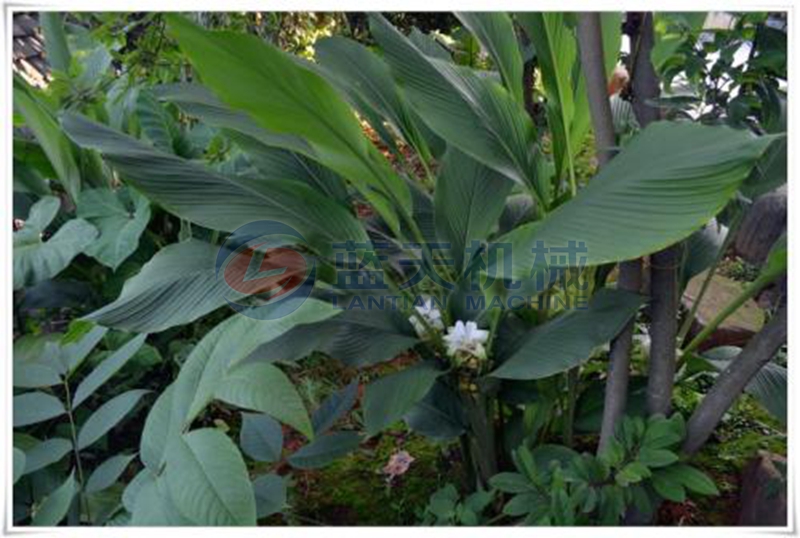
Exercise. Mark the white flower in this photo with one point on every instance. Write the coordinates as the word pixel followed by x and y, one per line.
pixel 431 314
pixel 466 338
pixel 644 342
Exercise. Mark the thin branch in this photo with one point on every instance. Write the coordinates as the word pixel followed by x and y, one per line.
pixel 732 382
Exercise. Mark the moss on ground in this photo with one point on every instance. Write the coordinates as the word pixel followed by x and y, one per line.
pixel 354 490
pixel 744 430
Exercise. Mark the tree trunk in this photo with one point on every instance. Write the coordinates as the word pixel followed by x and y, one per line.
pixel 663 329
pixel 592 60
pixel 590 39
pixel 732 382
pixel 619 359
pixel 644 79
pixel 663 264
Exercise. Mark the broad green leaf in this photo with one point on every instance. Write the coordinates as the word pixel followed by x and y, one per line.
pixel 107 416
pixel 521 504
pixel 429 45
pixel 474 114
pixel 208 481
pixel 106 369
pixel 121 217
pixel 265 388
pixel 228 344
pixel 668 487
pixel 55 506
pixel 55 40
pixel 36 363
pixel 286 97
pixel 691 479
pixel 632 473
pixel 19 464
pixel 261 437
pixel 657 457
pixel 93 63
pixel 671 30
pixel 667 182
pixel 325 449
pixel 334 407
pixel 35 259
pixel 355 337
pixel 495 32
pixel 161 426
pixel 276 156
pixel 79 341
pixel 143 477
pixel 567 106
pixel 701 249
pixel 104 506
pixel 42 214
pixel 511 483
pixel 46 453
pixel 153 504
pixel 389 398
pixel 156 124
pixel 662 433
pixel 769 386
pixel 569 339
pixel 55 144
pixel 33 407
pixel 439 415
pixel 31 348
pixel 108 472
pixel 270 491
pixel 770 171
pixel 273 164
pixel 220 202
pixel 363 76
pixel 469 201
pixel 198 101
pixel 177 286
pixel 30 154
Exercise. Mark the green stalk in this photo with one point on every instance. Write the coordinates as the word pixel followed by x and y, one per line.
pixel 481 437
pixel 687 323
pixel 74 434
pixel 569 412
pixel 749 292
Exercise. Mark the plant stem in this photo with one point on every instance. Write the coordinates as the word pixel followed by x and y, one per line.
pixel 74 435
pixel 495 323
pixel 480 415
pixel 569 411
pixel 630 279
pixel 687 323
pixel 749 292
pixel 663 328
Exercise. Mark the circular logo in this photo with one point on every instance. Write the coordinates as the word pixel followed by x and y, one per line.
pixel 258 261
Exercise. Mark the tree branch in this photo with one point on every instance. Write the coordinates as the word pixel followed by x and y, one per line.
pixel 732 382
